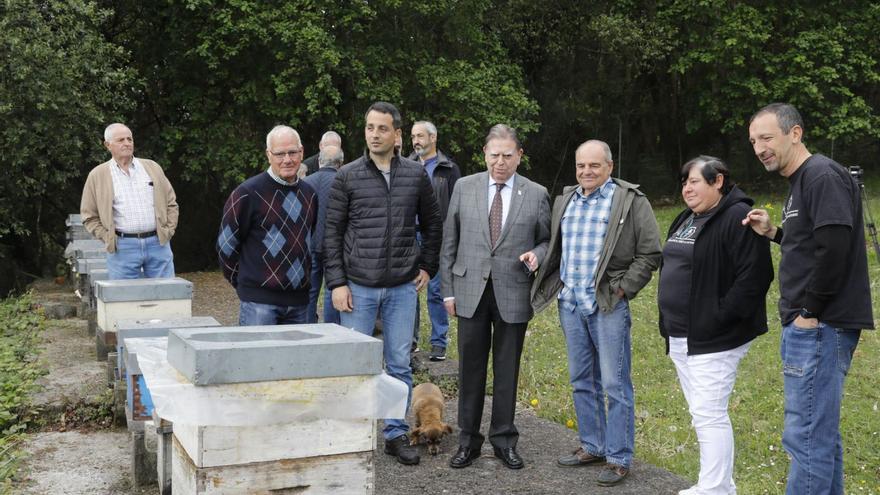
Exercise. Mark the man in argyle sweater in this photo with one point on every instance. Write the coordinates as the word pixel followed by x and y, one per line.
pixel 265 234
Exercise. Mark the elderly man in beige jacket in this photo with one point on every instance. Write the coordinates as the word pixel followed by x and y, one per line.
pixel 129 204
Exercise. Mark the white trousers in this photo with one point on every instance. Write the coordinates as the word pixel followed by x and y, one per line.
pixel 707 381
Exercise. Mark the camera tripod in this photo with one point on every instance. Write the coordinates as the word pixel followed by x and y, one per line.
pixel 857 172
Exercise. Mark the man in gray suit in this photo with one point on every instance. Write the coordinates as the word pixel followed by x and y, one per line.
pixel 494 238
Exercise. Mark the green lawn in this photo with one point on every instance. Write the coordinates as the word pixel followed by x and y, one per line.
pixel 664 435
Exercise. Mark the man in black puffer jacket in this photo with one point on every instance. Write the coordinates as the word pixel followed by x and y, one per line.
pixel 373 262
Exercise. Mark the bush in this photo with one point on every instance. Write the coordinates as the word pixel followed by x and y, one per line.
pixel 20 328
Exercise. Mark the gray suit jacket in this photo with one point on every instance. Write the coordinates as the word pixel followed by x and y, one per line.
pixel 467 259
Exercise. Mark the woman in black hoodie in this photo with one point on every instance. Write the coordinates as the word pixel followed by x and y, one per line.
pixel 713 283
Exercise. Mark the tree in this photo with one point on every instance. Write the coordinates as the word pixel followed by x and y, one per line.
pixel 60 84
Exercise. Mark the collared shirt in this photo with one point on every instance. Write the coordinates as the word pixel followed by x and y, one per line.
pixel 133 209
pixel 281 181
pixel 584 225
pixel 506 194
pixel 430 165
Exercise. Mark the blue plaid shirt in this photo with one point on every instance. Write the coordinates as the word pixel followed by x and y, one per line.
pixel 584 225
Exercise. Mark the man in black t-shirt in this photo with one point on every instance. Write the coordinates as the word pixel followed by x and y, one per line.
pixel 825 297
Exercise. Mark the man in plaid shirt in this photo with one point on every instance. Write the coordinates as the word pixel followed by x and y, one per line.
pixel 604 246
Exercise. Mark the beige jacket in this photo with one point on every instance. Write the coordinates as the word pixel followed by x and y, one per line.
pixel 96 207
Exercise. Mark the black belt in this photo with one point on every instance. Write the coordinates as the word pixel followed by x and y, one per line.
pixel 142 235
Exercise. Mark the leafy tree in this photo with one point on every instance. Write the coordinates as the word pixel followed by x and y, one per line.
pixel 60 84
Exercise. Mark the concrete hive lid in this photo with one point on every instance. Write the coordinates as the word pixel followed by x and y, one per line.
pixel 83 264
pixel 84 244
pixel 97 274
pixel 158 327
pixel 143 289
pixel 208 356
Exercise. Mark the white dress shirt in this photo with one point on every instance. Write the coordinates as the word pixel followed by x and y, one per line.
pixel 133 209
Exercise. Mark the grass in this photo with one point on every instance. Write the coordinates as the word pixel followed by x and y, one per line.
pixel 664 435
pixel 20 328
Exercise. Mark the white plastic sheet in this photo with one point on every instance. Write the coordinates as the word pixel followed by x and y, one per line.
pixel 263 403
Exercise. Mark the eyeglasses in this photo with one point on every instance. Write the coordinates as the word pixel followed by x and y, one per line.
pixel 283 154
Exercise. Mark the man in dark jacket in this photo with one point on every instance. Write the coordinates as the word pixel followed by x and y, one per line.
pixel 373 262
pixel 443 173
pixel 330 158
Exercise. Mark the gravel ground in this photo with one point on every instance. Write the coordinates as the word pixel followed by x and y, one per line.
pixel 213 296
pixel 76 463
pixel 541 442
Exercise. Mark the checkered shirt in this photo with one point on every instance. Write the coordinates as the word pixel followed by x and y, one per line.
pixel 133 211
pixel 584 225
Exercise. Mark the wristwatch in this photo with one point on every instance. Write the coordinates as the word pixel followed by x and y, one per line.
pixel 807 314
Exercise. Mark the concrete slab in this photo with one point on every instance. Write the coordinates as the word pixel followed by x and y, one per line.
pixel 143 289
pixel 85 244
pixel 266 353
pixel 82 265
pixel 89 253
pixel 78 234
pixel 159 327
pixel 98 274
pixel 152 327
pixel 73 219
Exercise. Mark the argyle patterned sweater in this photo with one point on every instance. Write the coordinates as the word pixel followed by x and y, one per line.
pixel 264 240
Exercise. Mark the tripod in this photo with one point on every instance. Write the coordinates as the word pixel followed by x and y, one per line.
pixel 856 173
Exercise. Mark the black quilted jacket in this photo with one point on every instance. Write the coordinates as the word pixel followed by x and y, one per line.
pixel 370 236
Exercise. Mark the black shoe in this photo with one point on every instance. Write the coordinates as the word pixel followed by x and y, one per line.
pixel 400 448
pixel 579 457
pixel 509 457
pixel 437 353
pixel 464 457
pixel 414 348
pixel 612 474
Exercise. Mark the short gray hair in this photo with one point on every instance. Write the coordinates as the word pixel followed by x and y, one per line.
pixel 335 160
pixel 109 130
pixel 503 131
pixel 330 135
pixel 279 130
pixel 605 148
pixel 786 114
pixel 431 128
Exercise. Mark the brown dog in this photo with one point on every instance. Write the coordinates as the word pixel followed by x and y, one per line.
pixel 427 406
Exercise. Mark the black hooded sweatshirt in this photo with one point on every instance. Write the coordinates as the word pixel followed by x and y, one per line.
pixel 732 271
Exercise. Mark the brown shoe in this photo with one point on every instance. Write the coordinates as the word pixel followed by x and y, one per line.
pixel 612 474
pixel 579 457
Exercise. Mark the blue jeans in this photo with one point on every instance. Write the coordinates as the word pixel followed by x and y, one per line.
pixel 397 307
pixel 437 313
pixel 815 362
pixel 252 314
pixel 140 258
pixel 599 359
pixel 331 315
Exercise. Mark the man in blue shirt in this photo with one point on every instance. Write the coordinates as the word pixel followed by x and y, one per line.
pixel 604 246
pixel 443 174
